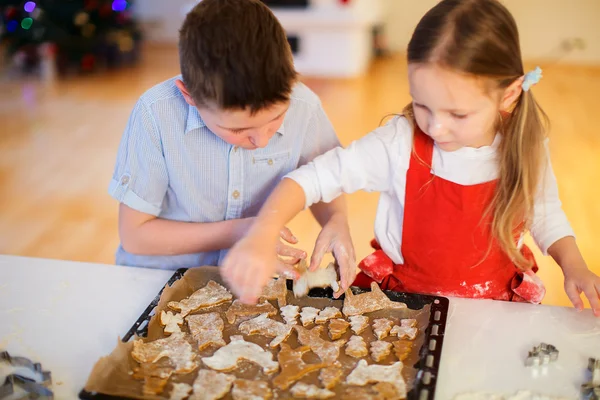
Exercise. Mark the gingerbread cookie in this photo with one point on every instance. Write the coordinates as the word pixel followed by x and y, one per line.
pixel 239 309
pixel 155 375
pixel 180 391
pixel 263 325
pixel 380 350
pixel 308 315
pixel 364 374
pixel 290 314
pixel 379 391
pixel 244 389
pixel 330 376
pixel 326 314
pixel 358 323
pixel 402 349
pixel 210 295
pixel 293 366
pixel 171 322
pixel 321 278
pixel 174 347
pixel 374 300
pixel 337 328
pixel 276 289
pixel 207 329
pixel 303 390
pixel 227 358
pixel 327 351
pixel 382 327
pixel 356 347
pixel 211 385
pixel 406 330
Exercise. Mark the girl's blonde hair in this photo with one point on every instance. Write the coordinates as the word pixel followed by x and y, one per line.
pixel 480 38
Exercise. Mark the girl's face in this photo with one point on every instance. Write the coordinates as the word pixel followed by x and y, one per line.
pixel 454 109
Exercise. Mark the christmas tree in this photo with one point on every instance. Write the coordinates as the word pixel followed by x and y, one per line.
pixel 80 35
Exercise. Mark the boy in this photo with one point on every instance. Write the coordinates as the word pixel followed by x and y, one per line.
pixel 202 151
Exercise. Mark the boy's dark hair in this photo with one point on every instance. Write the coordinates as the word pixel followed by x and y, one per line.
pixel 234 54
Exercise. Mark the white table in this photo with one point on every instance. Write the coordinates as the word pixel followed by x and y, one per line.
pixel 61 314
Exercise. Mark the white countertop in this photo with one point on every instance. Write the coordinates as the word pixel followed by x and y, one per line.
pixel 60 314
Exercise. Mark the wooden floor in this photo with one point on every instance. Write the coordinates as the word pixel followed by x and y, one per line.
pixel 58 146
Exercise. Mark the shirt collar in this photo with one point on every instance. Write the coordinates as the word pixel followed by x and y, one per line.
pixel 194 121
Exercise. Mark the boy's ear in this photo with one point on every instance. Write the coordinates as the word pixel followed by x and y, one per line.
pixel 511 94
pixel 185 93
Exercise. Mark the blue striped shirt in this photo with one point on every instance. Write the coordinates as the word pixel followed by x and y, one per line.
pixel 169 164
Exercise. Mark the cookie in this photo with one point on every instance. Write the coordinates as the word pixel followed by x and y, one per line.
pixel 402 349
pixel 180 391
pixel 206 329
pixel 210 295
pixel 358 323
pixel 227 357
pixel 406 330
pixel 263 325
pixel 303 390
pixel 174 347
pixel 380 350
pixel 308 315
pixel 356 347
pixel 382 327
pixel 337 328
pixel 239 309
pixel 290 314
pixel 374 300
pixel 171 322
pixel 326 314
pixel 155 375
pixel 330 376
pixel 327 351
pixel 244 389
pixel 211 385
pixel 293 366
pixel 321 278
pixel 276 289
pixel 364 374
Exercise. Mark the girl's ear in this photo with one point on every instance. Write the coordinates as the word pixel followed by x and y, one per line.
pixel 185 93
pixel 511 94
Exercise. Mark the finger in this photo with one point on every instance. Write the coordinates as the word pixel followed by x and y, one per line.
pixel 592 295
pixel 321 248
pixel 287 251
pixel 287 271
pixel 249 280
pixel 287 235
pixel 347 272
pixel 290 261
pixel 573 295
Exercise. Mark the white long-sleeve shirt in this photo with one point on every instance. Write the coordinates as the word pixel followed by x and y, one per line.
pixel 379 162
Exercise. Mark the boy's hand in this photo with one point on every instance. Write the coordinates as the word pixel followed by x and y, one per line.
pixel 291 254
pixel 253 261
pixel 580 279
pixel 335 238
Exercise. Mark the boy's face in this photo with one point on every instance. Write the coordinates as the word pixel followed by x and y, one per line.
pixel 243 129
pixel 240 127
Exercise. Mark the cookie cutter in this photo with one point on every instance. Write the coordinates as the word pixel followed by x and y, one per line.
pixel 36 388
pixel 591 389
pixel 543 354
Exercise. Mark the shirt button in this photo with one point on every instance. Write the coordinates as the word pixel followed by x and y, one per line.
pixel 235 194
pixel 125 180
pixel 270 162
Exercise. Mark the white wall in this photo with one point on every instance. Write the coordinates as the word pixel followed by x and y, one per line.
pixel 544 24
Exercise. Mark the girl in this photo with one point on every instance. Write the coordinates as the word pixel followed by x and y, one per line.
pixel 462 174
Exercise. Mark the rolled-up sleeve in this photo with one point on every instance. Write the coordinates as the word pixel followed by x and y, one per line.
pixel 363 165
pixel 550 223
pixel 140 178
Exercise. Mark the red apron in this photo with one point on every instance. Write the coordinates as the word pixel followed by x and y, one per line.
pixel 446 243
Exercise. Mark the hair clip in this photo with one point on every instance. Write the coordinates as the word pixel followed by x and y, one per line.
pixel 531 78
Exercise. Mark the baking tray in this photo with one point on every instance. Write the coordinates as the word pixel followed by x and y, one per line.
pixel 429 354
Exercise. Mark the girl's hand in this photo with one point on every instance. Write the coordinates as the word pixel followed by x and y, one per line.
pixel 335 238
pixel 578 279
